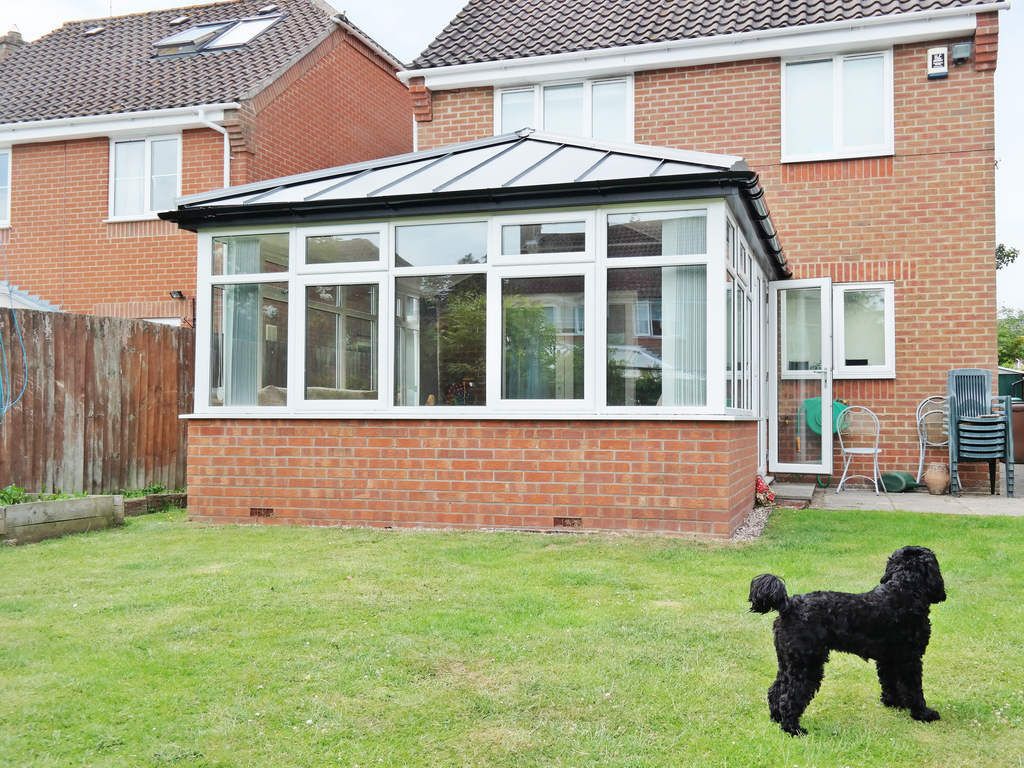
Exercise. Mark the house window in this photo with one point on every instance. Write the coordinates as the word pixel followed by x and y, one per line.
pixel 145 176
pixel 5 188
pixel 864 330
pixel 218 34
pixel 839 106
pixel 599 109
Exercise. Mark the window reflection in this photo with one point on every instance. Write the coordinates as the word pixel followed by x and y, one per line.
pixel 440 340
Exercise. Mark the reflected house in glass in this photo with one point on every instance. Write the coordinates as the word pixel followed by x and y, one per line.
pixel 501 333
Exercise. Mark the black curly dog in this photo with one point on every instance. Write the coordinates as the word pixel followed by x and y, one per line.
pixel 888 624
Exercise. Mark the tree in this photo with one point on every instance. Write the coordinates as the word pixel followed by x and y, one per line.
pixel 1010 334
pixel 1005 256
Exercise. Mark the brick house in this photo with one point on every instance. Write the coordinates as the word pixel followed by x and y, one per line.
pixel 650 346
pixel 104 122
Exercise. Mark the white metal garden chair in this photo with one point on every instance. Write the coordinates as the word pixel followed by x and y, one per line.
pixel 858 432
pixel 932 427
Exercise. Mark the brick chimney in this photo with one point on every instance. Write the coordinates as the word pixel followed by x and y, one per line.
pixel 11 42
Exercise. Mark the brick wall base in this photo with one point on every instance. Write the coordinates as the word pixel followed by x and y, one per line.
pixel 693 478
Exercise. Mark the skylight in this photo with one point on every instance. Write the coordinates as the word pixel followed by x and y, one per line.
pixel 243 32
pixel 220 34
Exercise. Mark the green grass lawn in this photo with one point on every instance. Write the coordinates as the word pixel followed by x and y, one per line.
pixel 173 643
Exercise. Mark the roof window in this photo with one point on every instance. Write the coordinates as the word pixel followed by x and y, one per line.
pixel 219 34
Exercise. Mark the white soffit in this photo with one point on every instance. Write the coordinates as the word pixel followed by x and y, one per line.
pixel 832 37
pixel 115 125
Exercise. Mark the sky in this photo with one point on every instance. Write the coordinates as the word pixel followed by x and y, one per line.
pixel 406 27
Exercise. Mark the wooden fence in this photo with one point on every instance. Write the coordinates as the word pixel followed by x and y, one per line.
pixel 101 402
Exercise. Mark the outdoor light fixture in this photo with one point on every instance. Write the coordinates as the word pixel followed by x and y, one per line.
pixel 961 53
pixel 177 295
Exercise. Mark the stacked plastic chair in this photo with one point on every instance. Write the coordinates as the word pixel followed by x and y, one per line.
pixel 980 428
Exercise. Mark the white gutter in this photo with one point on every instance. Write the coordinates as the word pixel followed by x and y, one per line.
pixel 770 43
pixel 201 112
pixel 115 125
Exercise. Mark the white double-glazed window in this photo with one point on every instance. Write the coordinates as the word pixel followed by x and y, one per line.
pixel 744 332
pixel 596 311
pixel 837 107
pixel 5 187
pixel 598 109
pixel 145 176
pixel 864 330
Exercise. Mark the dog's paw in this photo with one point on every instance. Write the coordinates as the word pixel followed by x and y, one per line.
pixel 891 701
pixel 925 715
pixel 794 730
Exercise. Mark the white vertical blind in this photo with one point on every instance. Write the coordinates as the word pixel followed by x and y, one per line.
pixel 863 107
pixel 609 111
pixel 129 178
pixel 563 109
pixel 163 174
pixel 809 107
pixel 517 110
pixel 684 335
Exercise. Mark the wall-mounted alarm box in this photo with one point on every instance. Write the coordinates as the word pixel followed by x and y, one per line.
pixel 938 63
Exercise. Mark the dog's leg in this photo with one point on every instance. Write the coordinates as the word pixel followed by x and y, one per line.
pixel 912 691
pixel 798 681
pixel 901 682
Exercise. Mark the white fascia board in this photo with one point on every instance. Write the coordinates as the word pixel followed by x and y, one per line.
pixel 114 126
pixel 830 37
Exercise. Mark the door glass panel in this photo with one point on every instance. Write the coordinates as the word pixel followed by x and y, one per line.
pixel 802 438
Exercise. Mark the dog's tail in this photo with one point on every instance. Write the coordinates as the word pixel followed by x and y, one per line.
pixel 768 593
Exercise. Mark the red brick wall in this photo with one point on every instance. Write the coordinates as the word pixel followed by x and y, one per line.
pixel 341 104
pixel 459 116
pixel 667 477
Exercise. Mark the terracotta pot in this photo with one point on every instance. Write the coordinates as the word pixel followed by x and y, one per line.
pixel 936 477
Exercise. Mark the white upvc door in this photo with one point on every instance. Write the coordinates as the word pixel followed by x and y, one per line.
pixel 800 379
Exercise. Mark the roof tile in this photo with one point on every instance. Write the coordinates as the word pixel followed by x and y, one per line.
pixel 496 30
pixel 69 74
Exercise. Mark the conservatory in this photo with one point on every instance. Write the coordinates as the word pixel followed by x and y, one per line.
pixel 526 331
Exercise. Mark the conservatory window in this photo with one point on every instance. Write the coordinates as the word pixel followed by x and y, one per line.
pixel 249 345
pixel 542 331
pixel 441 340
pixel 668 365
pixel 341 342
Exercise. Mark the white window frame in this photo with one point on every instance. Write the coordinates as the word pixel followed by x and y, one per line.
pixel 494 246
pixel 839 367
pixel 297 360
pixel 147 206
pixel 380 229
pixel 714 274
pixel 5 183
pixel 593 265
pixel 839 151
pixel 495 345
pixel 205 284
pixel 538 104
